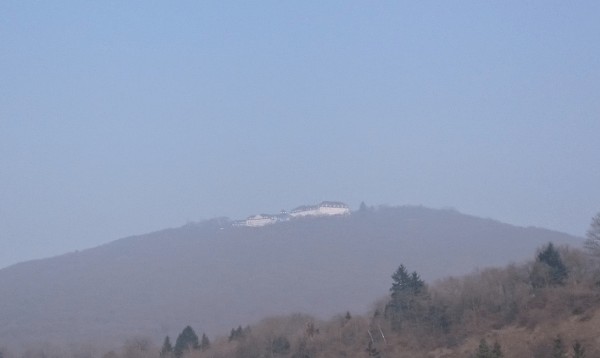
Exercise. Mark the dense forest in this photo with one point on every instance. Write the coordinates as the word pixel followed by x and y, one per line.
pixel 546 307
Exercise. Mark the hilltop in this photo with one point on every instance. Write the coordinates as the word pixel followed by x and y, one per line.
pixel 215 276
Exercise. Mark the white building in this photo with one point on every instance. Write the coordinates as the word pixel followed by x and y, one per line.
pixel 260 220
pixel 325 208
pixel 305 210
pixel 333 208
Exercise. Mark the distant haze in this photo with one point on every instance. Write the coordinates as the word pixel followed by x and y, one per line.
pixel 215 276
pixel 119 118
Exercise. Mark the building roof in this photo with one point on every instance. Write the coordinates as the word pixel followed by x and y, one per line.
pixel 333 204
pixel 260 216
pixel 305 208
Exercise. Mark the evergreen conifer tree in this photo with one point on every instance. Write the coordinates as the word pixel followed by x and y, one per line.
pixel 280 346
pixel 237 333
pixel 167 349
pixel 549 268
pixel 363 207
pixel 407 293
pixel 186 340
pixel 578 351
pixel 483 351
pixel 551 257
pixel 497 351
pixel 204 342
pixel 558 349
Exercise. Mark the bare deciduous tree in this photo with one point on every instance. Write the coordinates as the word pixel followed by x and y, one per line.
pixel 593 236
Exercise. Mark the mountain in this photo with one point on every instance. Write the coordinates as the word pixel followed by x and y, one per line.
pixel 214 276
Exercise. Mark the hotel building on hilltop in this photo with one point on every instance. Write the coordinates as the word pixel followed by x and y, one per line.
pixel 325 208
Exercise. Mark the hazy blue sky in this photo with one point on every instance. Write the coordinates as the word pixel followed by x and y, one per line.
pixel 123 117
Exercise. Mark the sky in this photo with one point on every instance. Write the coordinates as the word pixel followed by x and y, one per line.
pixel 119 118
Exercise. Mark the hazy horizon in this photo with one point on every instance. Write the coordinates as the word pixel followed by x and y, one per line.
pixel 180 225
pixel 119 119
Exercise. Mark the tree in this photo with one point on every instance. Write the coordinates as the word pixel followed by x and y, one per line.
pixel 558 349
pixel 578 351
pixel 497 350
pixel 407 294
pixel 280 346
pixel 204 342
pixel 549 269
pixel 237 333
pixel 167 349
pixel 484 350
pixel 363 207
pixel 186 340
pixel 593 236
pixel 405 283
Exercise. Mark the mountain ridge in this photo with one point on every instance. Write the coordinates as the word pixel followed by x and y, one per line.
pixel 217 277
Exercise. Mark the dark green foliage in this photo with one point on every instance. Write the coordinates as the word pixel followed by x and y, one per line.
pixel 237 333
pixel 363 207
pixel 484 350
pixel 549 269
pixel 408 292
pixel 497 351
pixel 280 346
pixel 167 349
pixel 578 350
pixel 551 257
pixel 558 349
pixel 186 340
pixel 405 283
pixel 204 342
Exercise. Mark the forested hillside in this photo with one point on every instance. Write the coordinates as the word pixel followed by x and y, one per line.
pixel 548 307
pixel 213 277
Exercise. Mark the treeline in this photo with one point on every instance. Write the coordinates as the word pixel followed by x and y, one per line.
pixel 547 307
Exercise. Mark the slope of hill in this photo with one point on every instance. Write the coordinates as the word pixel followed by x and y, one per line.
pixel 214 276
pixel 548 306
